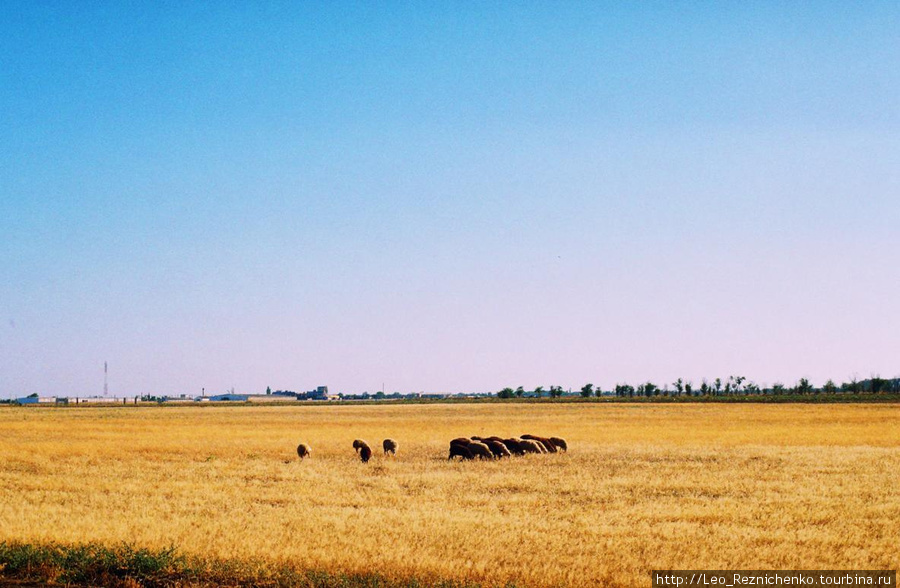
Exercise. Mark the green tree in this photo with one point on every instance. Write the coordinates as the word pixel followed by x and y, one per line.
pixel 777 388
pixel 688 389
pixel 587 390
pixel 556 391
pixel 506 393
pixel 539 391
pixel 520 391
pixel 268 389
pixel 804 387
pixel 829 387
pixel 679 386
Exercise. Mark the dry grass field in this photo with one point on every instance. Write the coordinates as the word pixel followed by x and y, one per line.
pixel 642 487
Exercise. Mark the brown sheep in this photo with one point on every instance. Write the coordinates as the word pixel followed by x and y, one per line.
pixel 390 446
pixel 491 438
pixel 548 445
pixel 303 450
pixel 514 446
pixel 461 441
pixel 532 446
pixel 560 443
pixel 362 449
pixel 498 449
pixel 480 449
pixel 460 450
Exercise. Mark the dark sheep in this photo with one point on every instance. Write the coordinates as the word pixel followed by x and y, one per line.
pixel 481 450
pixel 303 450
pixel 560 443
pixel 390 446
pixel 532 446
pixel 461 441
pixel 362 448
pixel 514 446
pixel 460 450
pixel 548 445
pixel 498 449
pixel 492 438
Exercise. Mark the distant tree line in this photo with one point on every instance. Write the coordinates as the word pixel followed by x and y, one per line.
pixel 731 386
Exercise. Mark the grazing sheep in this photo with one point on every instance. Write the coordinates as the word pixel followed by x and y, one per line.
pixel 514 446
pixel 548 445
pixel 461 441
pixel 390 446
pixel 498 449
pixel 365 453
pixel 303 450
pixel 532 446
pixel 560 443
pixel 358 444
pixel 491 438
pixel 460 450
pixel 480 449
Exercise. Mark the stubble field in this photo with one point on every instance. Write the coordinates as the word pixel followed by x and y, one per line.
pixel 643 487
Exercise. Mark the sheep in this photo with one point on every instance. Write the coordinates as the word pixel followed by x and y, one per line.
pixel 532 446
pixel 498 449
pixel 560 443
pixel 303 450
pixel 461 441
pixel 514 446
pixel 460 450
pixel 363 449
pixel 491 438
pixel 390 446
pixel 480 449
pixel 548 445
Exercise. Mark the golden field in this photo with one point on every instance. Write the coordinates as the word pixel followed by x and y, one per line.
pixel 643 487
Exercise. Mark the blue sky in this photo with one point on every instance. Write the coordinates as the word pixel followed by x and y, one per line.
pixel 446 197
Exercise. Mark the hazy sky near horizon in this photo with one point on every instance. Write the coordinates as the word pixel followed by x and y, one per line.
pixel 446 197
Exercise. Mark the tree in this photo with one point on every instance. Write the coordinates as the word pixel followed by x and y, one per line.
pixel 804 387
pixel 598 392
pixel 777 388
pixel 688 389
pixel 704 388
pixel 853 386
pixel 829 387
pixel 556 391
pixel 539 391
pixel 520 391
pixel 506 393
pixel 268 389
pixel 679 386
pixel 587 390
pixel 718 384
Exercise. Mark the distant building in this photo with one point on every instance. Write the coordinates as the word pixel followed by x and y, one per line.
pixel 229 398
pixel 320 393
pixel 37 400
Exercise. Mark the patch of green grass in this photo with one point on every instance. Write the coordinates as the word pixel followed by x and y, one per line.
pixel 125 565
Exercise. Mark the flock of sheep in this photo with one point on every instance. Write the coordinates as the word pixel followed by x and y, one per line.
pixel 467 448
pixel 498 448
